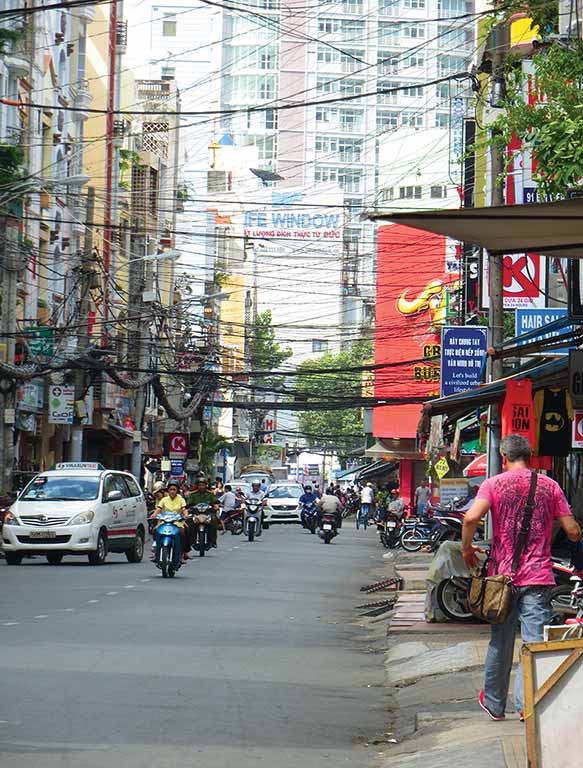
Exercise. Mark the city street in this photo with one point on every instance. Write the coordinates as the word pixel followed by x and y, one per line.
pixel 248 657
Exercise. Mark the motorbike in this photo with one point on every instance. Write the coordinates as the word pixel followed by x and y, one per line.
pixel 309 516
pixel 416 533
pixel 202 520
pixel 168 535
pixel 252 517
pixel 389 530
pixel 233 521
pixel 329 528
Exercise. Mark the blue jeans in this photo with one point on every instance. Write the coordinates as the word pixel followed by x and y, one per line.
pixel 363 514
pixel 421 508
pixel 532 609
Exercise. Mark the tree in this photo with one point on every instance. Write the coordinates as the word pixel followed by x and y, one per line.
pixel 266 353
pixel 210 444
pixel 340 430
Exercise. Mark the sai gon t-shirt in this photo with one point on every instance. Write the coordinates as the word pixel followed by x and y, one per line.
pixel 507 494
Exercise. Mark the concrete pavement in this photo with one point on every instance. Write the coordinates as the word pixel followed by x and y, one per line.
pixel 250 656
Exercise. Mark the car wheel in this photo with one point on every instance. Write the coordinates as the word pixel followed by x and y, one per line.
pixel 136 552
pixel 99 555
pixel 54 559
pixel 13 558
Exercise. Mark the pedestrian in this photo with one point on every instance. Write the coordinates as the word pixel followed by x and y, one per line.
pixel 422 496
pixel 366 505
pixel 397 503
pixel 505 496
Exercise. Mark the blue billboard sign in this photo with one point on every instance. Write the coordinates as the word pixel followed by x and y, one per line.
pixel 463 349
pixel 529 320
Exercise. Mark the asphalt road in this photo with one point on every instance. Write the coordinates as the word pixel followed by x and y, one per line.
pixel 248 657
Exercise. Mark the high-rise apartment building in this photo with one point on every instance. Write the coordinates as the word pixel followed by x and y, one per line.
pixel 359 51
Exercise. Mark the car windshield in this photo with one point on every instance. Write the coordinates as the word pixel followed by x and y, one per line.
pixel 46 488
pixel 285 492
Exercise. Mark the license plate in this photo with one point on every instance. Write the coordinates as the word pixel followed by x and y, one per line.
pixel 43 534
pixel 391 525
pixel 327 527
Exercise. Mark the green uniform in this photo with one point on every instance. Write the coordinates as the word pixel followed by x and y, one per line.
pixel 206 497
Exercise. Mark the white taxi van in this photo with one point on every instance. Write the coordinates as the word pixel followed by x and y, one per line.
pixel 78 508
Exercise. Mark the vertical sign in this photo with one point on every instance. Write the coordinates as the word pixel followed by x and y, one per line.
pixel 525 281
pixel 577 441
pixel 463 349
pixel 61 404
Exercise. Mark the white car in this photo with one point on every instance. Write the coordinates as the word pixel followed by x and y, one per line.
pixel 77 509
pixel 282 503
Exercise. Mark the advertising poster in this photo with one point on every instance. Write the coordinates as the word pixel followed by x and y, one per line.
pixel 525 281
pixel 61 404
pixel 416 288
pixel 463 349
pixel 293 215
pixel 270 455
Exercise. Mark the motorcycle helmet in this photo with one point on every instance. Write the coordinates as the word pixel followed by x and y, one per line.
pixel 159 486
pixel 175 483
pixel 255 484
pixel 307 488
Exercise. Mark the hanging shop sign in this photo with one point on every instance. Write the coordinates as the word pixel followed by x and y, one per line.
pixel 463 349
pixel 452 488
pixel 524 278
pixel 178 445
pixel 441 467
pixel 577 440
pixel 40 340
pixel 61 404
pixel 270 455
pixel 176 468
pixel 528 320
pixel 30 396
pixel 576 376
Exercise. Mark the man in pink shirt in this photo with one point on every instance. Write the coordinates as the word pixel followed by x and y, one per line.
pixel 505 496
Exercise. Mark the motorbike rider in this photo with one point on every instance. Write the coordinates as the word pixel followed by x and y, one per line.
pixel 307 498
pixel 330 504
pixel 173 502
pixel 256 494
pixel 202 495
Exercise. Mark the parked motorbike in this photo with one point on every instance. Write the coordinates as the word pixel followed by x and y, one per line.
pixel 309 516
pixel 329 528
pixel 252 517
pixel 389 530
pixel 202 522
pixel 168 536
pixel 233 521
pixel 416 533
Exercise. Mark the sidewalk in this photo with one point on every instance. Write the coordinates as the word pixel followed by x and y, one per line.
pixel 433 672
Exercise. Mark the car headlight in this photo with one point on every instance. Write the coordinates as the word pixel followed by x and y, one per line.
pixel 11 519
pixel 82 518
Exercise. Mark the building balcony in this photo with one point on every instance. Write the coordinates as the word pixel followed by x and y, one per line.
pixel 83 99
pixel 85 13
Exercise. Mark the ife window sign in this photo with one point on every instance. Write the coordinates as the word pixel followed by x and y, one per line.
pixel 463 349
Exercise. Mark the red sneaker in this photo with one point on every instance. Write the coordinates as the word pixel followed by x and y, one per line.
pixel 482 703
pixel 521 717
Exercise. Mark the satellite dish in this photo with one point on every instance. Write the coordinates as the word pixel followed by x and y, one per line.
pixel 266 176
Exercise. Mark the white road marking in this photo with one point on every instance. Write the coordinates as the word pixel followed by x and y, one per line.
pixel 11 623
pixel 145 580
pixel 42 616
pixel 112 593
pixel 129 586
pixel 93 601
pixel 67 610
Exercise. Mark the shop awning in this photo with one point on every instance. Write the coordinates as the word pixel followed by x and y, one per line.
pixel 478 467
pixel 553 373
pixel 376 468
pixel 554 229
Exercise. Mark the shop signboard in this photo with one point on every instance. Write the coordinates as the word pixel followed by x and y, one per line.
pixel 61 404
pixel 30 396
pixel 416 285
pixel 270 455
pixel 577 441
pixel 40 340
pixel 176 468
pixel 576 376
pixel 525 281
pixel 452 488
pixel 178 445
pixel 463 349
pixel 528 320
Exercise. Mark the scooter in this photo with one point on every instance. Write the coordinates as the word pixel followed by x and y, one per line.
pixel 389 530
pixel 168 543
pixel 418 533
pixel 233 521
pixel 252 518
pixel 309 516
pixel 202 521
pixel 329 528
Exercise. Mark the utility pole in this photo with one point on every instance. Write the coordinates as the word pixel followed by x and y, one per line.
pixel 496 283
pixel 10 265
pixel 83 336
pixel 140 281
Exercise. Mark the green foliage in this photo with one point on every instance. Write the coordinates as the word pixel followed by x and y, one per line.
pixel 221 278
pixel 182 193
pixel 11 160
pixel 8 36
pixel 266 353
pixel 341 429
pixel 543 13
pixel 210 444
pixel 553 128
